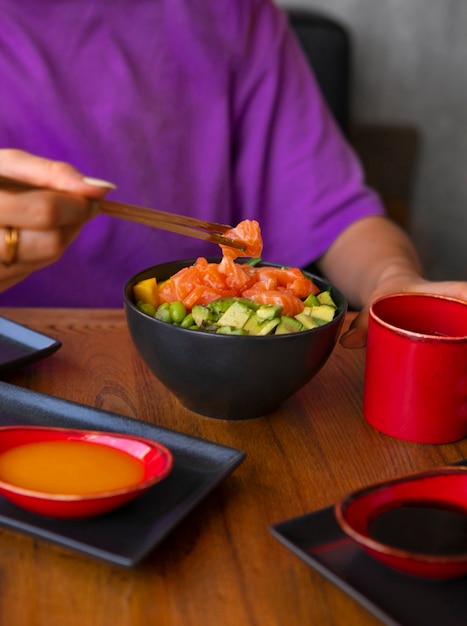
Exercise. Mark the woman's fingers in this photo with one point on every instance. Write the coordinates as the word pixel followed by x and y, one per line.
pixel 355 337
pixel 34 246
pixel 36 226
pixel 57 175
pixel 43 210
pixel 11 245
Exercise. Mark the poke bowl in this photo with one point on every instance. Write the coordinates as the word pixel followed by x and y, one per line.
pixel 231 376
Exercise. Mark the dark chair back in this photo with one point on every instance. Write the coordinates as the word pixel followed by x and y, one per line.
pixel 327 46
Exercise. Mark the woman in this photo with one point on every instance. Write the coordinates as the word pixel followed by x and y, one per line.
pixel 198 107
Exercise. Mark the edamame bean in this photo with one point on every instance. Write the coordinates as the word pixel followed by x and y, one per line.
pixel 163 313
pixel 177 311
pixel 147 308
pixel 187 321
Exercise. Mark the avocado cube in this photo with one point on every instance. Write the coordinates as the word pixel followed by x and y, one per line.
pixel 307 321
pixel 253 325
pixel 311 300
pixel 256 326
pixel 251 304
pixel 236 315
pixel 201 314
pixel 269 311
pixel 324 313
pixel 221 305
pixel 288 325
pixel 269 326
pixel 229 330
pixel 208 326
pixel 325 298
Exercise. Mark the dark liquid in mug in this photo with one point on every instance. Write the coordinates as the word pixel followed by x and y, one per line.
pixel 425 529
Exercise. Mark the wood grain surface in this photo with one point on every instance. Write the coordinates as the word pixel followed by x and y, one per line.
pixel 221 566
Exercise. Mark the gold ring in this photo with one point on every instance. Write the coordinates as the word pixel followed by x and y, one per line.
pixel 11 242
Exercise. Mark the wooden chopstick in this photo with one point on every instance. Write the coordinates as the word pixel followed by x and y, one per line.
pixel 183 225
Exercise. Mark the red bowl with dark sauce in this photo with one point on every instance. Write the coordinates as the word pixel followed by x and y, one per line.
pixel 416 524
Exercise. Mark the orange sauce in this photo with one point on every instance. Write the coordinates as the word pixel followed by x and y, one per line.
pixel 69 467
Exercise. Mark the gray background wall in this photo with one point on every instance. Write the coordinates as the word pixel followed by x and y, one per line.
pixel 410 67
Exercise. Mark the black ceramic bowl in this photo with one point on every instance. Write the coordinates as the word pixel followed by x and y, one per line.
pixel 229 377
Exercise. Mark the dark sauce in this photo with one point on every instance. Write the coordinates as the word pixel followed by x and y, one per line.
pixel 425 529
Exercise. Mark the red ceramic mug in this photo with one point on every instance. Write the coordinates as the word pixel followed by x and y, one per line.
pixel 416 368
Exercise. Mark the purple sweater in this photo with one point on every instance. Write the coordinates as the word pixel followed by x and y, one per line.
pixel 198 107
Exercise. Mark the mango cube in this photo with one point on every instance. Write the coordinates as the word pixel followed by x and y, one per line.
pixel 147 291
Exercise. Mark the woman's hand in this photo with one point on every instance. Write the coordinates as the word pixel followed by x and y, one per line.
pixel 37 226
pixel 355 337
pixel 374 257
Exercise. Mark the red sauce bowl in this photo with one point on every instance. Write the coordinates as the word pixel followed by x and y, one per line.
pixel 156 461
pixel 443 491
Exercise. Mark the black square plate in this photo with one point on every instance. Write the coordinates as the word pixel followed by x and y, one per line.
pixel 19 345
pixel 125 535
pixel 393 597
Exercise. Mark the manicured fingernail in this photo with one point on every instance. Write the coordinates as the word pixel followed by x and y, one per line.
pixel 97 182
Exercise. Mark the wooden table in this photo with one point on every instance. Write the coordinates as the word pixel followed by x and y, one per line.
pixel 221 565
